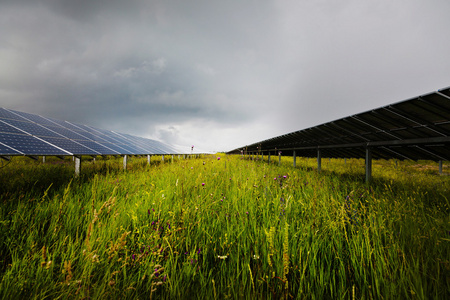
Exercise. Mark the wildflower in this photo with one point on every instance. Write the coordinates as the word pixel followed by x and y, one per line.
pixel 164 279
pixel 222 257
pixel 199 250
pixel 255 257
pixel 284 176
pixel 133 256
pixel 218 158
pixel 203 184
pixel 148 211
pixel 156 273
pixel 246 212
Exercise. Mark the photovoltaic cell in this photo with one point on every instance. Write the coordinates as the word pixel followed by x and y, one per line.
pixel 71 146
pixel 31 134
pixel 66 133
pixel 34 118
pixel 4 127
pixel 9 115
pixel 32 128
pixel 5 150
pixel 418 128
pixel 30 145
pixel 98 148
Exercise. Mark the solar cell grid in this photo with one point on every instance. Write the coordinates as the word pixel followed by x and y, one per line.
pixel 9 115
pixel 36 135
pixel 417 128
pixel 98 147
pixel 64 124
pixel 66 133
pixel 4 127
pixel 30 145
pixel 116 148
pixel 71 146
pixel 5 150
pixel 32 128
pixel 34 118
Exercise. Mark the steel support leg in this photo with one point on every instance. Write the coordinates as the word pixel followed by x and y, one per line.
pixel 125 159
pixel 77 165
pixel 319 160
pixel 368 165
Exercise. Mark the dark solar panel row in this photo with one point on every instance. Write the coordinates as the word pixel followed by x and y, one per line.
pixel 28 134
pixel 418 128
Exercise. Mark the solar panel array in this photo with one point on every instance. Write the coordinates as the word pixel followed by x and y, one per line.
pixel 418 128
pixel 28 134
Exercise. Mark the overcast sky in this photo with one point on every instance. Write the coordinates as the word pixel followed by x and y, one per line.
pixel 218 74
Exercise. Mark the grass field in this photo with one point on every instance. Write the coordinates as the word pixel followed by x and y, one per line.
pixel 222 227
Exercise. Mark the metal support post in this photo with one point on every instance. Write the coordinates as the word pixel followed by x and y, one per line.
pixel 368 165
pixel 125 159
pixel 269 157
pixel 162 158
pixel 440 167
pixel 148 158
pixel 77 165
pixel 319 160
pixel 279 158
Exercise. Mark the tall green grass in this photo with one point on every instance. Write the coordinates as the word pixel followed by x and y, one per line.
pixel 215 228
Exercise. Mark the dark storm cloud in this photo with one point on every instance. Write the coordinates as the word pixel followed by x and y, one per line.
pixel 218 74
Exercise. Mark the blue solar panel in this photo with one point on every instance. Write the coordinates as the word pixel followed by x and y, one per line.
pixel 31 128
pixel 66 132
pixel 99 148
pixel 71 146
pixel 122 142
pixel 7 128
pixel 114 147
pixel 5 150
pixel 28 134
pixel 9 115
pixel 34 118
pixel 64 124
pixel 137 142
pixel 30 145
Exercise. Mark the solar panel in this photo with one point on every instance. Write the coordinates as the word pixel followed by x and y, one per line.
pixel 30 145
pixel 5 150
pixel 9 115
pixel 4 127
pixel 28 134
pixel 33 118
pixel 31 128
pixel 71 146
pixel 418 128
